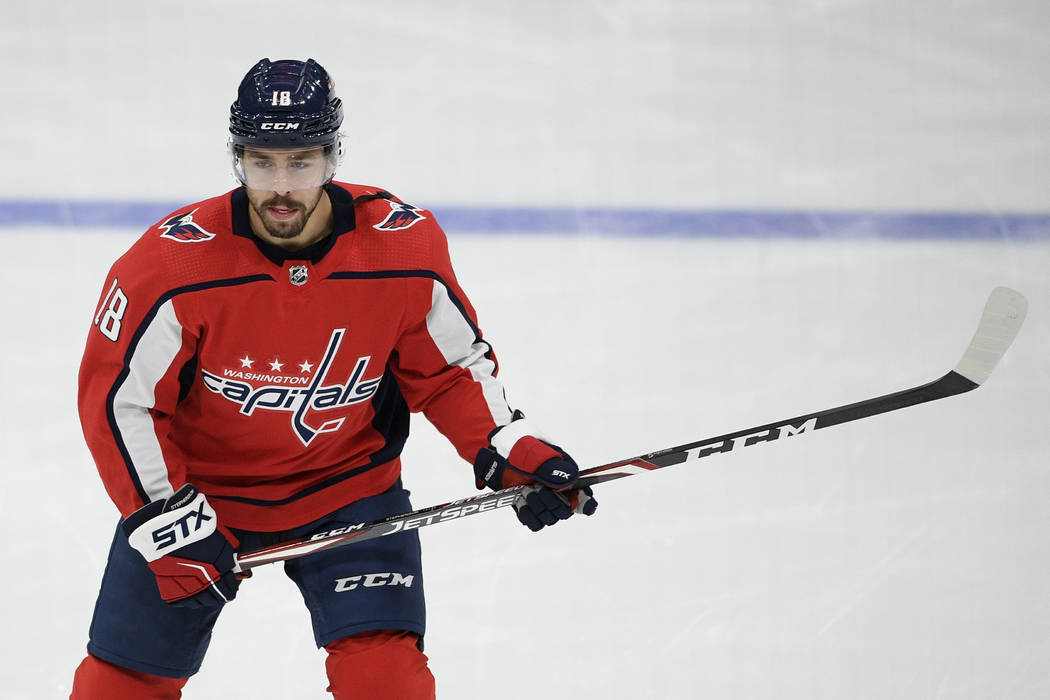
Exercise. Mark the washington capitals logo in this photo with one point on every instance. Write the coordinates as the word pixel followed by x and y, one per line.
pixel 181 228
pixel 402 216
pixel 299 400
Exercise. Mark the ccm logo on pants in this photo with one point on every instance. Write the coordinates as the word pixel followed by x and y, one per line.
pixel 373 581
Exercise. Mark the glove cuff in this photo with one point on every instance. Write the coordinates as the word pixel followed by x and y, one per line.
pixel 184 518
pixel 521 444
pixel 497 473
pixel 518 455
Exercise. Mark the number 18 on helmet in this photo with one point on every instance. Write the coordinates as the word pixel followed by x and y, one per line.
pixel 284 126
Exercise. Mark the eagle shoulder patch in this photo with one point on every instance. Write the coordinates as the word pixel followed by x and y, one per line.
pixel 401 216
pixel 183 229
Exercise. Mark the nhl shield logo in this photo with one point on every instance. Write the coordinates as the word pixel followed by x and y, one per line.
pixel 297 275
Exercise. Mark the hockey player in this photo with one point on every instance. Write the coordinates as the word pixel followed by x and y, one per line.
pixel 248 378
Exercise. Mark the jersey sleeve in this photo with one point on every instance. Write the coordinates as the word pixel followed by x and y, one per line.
pixel 444 367
pixel 129 385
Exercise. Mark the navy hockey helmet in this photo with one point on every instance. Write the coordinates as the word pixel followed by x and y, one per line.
pixel 286 104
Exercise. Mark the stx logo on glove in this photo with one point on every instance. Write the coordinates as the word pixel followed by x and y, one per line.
pixel 163 526
pixel 170 534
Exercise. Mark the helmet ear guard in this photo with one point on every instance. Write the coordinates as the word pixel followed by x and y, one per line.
pixel 286 104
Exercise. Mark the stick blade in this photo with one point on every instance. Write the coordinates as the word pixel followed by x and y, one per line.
pixel 1002 318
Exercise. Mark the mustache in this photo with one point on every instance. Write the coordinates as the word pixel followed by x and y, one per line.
pixel 283 203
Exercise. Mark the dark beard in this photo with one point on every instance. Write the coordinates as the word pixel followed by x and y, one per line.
pixel 286 230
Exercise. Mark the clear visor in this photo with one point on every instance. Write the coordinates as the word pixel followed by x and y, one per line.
pixel 284 169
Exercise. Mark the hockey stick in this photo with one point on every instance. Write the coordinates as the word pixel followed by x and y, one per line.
pixel 1002 318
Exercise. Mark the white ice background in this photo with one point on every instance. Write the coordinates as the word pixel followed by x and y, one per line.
pixel 903 556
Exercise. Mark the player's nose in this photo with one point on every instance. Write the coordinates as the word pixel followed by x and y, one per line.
pixel 282 184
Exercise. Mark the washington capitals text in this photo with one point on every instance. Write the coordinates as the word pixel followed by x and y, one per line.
pixel 300 400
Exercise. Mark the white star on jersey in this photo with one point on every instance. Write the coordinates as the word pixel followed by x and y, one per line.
pixel 246 362
pixel 305 366
pixel 276 365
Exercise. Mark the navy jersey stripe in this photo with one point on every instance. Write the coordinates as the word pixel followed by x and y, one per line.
pixel 391 414
pixel 402 274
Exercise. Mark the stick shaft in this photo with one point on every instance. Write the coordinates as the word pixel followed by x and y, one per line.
pixel 1002 318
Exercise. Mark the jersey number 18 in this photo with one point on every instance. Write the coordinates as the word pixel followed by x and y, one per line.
pixel 111 312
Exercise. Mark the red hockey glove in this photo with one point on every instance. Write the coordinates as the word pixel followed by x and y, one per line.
pixel 516 457
pixel 191 556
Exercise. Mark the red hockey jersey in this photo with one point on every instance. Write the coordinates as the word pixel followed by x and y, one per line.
pixel 280 383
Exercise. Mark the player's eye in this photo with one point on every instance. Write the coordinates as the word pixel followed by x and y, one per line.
pixel 262 164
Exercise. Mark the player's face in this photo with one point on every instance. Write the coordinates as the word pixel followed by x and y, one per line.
pixel 284 188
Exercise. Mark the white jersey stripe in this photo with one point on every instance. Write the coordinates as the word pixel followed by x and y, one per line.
pixel 455 338
pixel 154 354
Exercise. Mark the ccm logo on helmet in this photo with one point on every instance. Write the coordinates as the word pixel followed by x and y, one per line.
pixel 279 126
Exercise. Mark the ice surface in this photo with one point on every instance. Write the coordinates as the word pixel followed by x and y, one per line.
pixel 903 556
